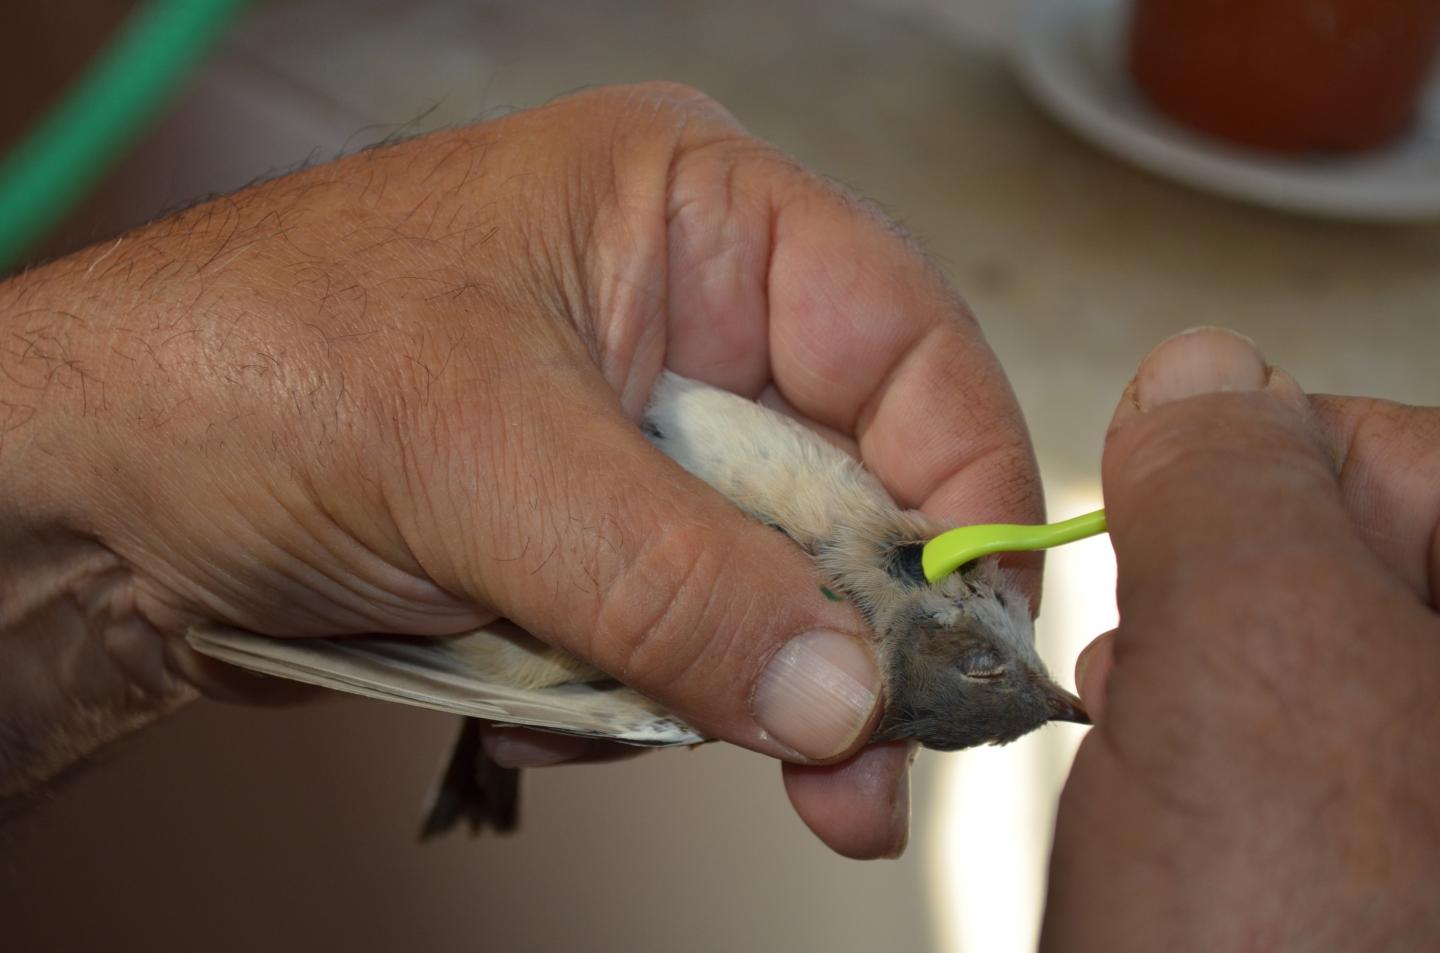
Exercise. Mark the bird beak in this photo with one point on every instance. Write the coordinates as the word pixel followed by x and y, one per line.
pixel 1063 705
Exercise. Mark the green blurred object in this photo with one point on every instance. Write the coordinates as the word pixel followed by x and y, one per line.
pixel 57 164
pixel 949 551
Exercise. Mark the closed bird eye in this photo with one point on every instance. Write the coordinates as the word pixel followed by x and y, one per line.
pixel 982 665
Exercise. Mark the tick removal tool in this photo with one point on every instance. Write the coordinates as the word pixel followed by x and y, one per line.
pixel 951 550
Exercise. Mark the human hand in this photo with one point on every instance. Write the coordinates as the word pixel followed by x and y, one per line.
pixel 1262 771
pixel 397 393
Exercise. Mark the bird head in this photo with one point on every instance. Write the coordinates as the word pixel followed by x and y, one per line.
pixel 958 656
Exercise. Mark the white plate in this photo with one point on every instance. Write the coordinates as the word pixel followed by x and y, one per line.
pixel 1071 55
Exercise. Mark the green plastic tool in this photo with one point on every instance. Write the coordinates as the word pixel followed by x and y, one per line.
pixel 949 551
pixel 53 168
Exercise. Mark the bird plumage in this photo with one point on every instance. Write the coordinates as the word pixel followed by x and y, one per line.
pixel 957 657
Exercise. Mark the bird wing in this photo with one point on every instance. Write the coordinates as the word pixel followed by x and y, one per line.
pixel 424 673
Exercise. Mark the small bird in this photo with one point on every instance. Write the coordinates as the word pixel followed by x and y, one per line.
pixel 957 657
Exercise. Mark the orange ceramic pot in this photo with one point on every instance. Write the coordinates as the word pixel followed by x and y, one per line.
pixel 1287 75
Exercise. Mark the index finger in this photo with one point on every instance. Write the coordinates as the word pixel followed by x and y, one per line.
pixel 867 337
pixel 778 275
pixel 1389 465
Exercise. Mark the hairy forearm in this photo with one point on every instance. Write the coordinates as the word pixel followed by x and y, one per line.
pixel 127 370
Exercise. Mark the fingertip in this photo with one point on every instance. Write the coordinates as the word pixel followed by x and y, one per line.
pixel 860 808
pixel 818 694
pixel 1210 450
pixel 1092 669
pixel 1201 361
pixel 1194 362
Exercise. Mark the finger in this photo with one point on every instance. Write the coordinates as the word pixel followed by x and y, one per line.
pixel 1213 469
pixel 1389 463
pixel 860 808
pixel 1092 668
pixel 603 547
pixel 1231 539
pixel 868 338
pixel 523 748
pixel 859 331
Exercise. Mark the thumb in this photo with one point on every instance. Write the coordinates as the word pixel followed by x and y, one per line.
pixel 1213 471
pixel 621 558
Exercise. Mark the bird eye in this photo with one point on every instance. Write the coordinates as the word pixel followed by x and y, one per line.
pixel 982 665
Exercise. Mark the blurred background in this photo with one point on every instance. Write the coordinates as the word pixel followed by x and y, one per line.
pixel 228 829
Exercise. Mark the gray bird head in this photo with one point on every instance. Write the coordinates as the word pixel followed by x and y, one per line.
pixel 959 657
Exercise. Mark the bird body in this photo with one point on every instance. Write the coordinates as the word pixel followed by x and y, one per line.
pixel 957 657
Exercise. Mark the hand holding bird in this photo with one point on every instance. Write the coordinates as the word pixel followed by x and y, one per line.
pixel 384 394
